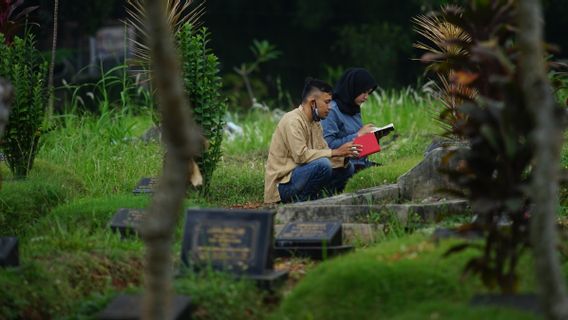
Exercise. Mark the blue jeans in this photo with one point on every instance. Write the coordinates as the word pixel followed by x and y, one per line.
pixel 314 180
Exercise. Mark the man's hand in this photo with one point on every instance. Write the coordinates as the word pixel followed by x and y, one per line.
pixel 348 149
pixel 365 129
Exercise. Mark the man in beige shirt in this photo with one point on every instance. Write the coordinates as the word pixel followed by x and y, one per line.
pixel 300 164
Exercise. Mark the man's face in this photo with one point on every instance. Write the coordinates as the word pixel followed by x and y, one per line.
pixel 322 103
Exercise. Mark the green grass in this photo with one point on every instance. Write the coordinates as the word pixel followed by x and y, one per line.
pixel 411 115
pixel 445 310
pixel 220 296
pixel 103 151
pixel 387 173
pixel 257 128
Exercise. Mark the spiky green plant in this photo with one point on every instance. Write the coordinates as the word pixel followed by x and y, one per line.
pixel 22 65
pixel 179 12
pixel 442 38
pixel 203 84
pixel 200 72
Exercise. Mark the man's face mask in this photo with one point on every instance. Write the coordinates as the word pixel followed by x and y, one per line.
pixel 315 114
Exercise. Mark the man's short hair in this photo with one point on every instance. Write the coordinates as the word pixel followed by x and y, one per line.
pixel 312 85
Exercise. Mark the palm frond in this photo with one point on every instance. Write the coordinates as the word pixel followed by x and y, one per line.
pixel 442 40
pixel 443 37
pixel 179 12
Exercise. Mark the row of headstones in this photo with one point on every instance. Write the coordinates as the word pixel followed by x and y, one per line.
pixel 300 239
pixel 241 241
pixel 236 241
pixel 207 231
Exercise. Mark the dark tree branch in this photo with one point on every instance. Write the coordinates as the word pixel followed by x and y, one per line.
pixel 52 63
pixel 183 143
pixel 539 98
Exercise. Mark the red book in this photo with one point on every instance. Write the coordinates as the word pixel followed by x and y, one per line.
pixel 370 141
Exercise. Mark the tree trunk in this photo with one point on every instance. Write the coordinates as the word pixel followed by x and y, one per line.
pixel 52 63
pixel 183 143
pixel 539 98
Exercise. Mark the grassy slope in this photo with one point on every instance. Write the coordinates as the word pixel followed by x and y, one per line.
pixel 402 149
pixel 23 202
pixel 74 265
pixel 402 278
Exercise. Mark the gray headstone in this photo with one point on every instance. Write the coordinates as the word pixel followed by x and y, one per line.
pixel 127 221
pixel 425 179
pixel 145 186
pixel 9 252
pixel 238 241
pixel 129 307
pixel 310 234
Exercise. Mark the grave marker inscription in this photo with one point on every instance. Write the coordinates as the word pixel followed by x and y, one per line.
pixel 238 241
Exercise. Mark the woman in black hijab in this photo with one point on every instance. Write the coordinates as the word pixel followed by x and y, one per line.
pixel 344 123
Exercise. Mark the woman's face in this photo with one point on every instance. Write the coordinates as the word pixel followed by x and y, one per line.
pixel 362 97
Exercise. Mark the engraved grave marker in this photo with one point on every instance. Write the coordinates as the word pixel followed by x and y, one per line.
pixel 9 252
pixel 238 241
pixel 127 221
pixel 316 240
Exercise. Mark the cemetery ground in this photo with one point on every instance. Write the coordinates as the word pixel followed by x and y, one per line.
pixel 72 265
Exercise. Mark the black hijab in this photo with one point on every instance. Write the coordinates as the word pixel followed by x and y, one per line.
pixel 351 84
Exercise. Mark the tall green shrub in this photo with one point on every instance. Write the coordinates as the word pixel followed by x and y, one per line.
pixel 484 81
pixel 203 84
pixel 22 65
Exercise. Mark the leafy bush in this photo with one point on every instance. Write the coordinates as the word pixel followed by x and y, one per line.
pixel 21 64
pixel 495 171
pixel 203 84
pixel 12 19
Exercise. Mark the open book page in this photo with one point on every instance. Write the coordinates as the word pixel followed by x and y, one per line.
pixel 383 131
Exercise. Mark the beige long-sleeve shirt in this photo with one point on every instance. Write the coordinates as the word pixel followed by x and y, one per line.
pixel 295 141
